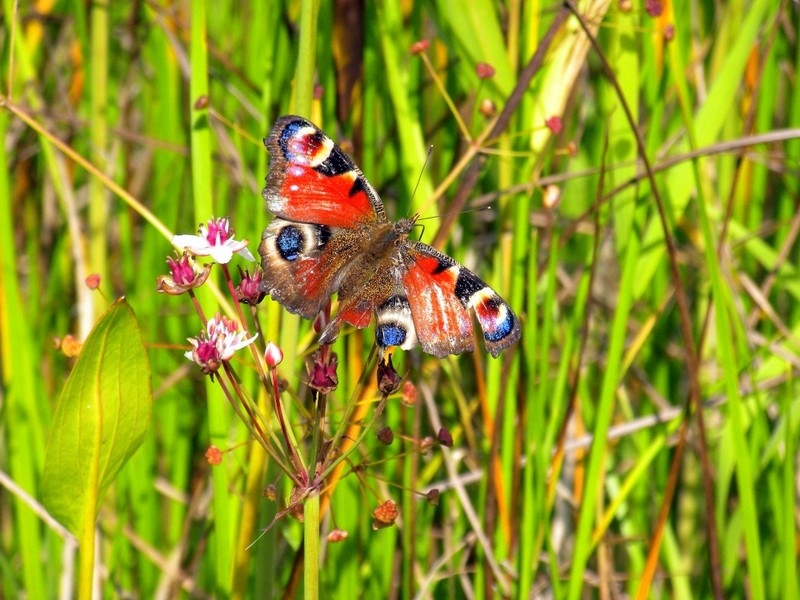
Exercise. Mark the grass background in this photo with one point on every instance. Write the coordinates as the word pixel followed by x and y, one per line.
pixel 649 248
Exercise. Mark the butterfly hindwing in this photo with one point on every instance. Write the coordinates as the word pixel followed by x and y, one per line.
pixel 293 267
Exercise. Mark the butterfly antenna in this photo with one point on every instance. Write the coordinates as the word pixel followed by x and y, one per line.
pixel 424 166
pixel 464 211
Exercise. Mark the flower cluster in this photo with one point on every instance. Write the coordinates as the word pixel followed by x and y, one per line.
pixel 221 338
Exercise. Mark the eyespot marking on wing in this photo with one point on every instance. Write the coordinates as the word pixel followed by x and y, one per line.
pixel 491 309
pixel 395 326
pixel 295 239
pixel 390 334
pixel 304 144
pixel 290 242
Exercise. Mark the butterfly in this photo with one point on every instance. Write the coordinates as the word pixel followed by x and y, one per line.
pixel 331 235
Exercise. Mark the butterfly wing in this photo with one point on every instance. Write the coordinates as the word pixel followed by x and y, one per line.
pixel 440 294
pixel 326 212
pixel 303 263
pixel 380 294
pixel 312 180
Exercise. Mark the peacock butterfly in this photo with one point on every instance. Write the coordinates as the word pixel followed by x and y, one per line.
pixel 331 235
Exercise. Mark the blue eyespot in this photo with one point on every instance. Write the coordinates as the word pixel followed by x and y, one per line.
pixel 390 334
pixel 290 242
pixel 287 135
pixel 500 330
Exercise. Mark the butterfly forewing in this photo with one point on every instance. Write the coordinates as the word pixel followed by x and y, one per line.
pixel 435 279
pixel 443 324
pixel 312 180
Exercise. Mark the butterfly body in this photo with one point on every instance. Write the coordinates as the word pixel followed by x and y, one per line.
pixel 331 235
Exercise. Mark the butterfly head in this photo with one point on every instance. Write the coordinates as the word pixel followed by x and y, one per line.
pixel 403 227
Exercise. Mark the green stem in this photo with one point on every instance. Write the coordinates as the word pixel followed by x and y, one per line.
pixel 86 561
pixel 98 126
pixel 364 431
pixel 311 559
pixel 307 52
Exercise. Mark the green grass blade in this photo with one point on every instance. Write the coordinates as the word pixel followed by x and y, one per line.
pixel 306 53
pixel 789 584
pixel 25 394
pixel 726 318
pixel 605 407
pixel 98 131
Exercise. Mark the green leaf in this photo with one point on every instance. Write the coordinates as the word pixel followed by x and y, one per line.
pixel 100 420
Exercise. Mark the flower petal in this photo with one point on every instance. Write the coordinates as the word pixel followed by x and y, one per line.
pixel 221 254
pixel 246 254
pixel 193 243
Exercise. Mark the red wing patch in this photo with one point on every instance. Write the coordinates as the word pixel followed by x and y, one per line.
pixel 356 315
pixel 314 291
pixel 300 264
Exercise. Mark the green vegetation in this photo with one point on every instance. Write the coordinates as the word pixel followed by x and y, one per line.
pixel 626 181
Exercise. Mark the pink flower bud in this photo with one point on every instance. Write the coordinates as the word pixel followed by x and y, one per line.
pixel 273 355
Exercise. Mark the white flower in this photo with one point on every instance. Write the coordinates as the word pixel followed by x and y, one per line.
pixel 215 240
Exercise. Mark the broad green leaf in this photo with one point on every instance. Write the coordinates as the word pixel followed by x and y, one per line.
pixel 100 419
